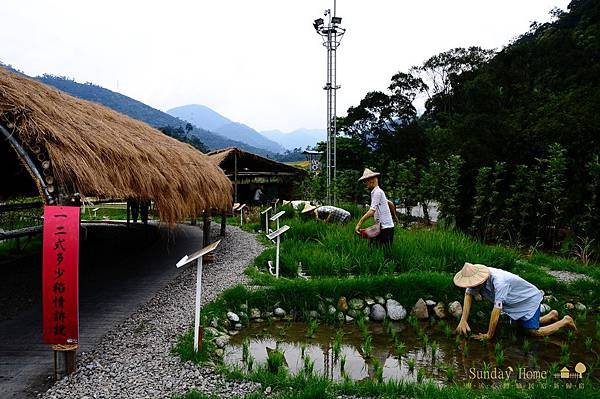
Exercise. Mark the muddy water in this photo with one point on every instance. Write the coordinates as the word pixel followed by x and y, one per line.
pixel 476 364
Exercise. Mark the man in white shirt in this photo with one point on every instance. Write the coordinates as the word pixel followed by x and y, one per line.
pixel 379 209
pixel 511 295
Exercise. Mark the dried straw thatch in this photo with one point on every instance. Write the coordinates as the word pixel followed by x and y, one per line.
pixel 98 152
pixel 252 162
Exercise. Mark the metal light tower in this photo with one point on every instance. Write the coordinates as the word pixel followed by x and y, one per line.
pixel 332 34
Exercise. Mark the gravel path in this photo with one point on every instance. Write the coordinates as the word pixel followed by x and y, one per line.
pixel 567 277
pixel 135 360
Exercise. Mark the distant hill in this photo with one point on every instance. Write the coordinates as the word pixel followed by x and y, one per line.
pixel 300 138
pixel 243 133
pixel 200 115
pixel 142 112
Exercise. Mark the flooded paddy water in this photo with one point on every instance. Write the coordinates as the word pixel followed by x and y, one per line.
pixel 427 352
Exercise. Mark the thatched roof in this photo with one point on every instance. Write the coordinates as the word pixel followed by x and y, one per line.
pixel 98 152
pixel 251 164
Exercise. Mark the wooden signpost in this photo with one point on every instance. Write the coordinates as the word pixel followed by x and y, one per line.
pixel 60 285
pixel 197 256
pixel 267 224
pixel 277 236
pixel 276 217
pixel 241 209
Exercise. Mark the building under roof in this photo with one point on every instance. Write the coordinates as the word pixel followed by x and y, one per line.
pixel 60 146
pixel 249 171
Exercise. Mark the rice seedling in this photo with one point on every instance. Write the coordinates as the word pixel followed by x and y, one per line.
pixel 513 338
pixel 245 349
pixel 534 362
pixel 302 349
pixel 546 340
pixel 450 373
pixel 564 348
pixel 499 357
pixel 434 348
pixel 411 362
pixel 499 354
pixel 553 368
pixel 570 336
pixel 342 362
pixel 309 366
pixel 485 367
pixel 337 349
pixel 581 316
pixel 346 377
pixel 497 348
pixel 589 343
pixel 448 331
pixel 526 346
pixel 394 335
pixel 457 341
pixel 412 321
pixel 250 362
pixel 362 326
pixel 465 349
pixel 312 327
pixel 367 347
pixel 564 359
pixel 387 325
pixel 420 375
pixel 400 349
pixel 424 340
pixel 377 371
pixel 275 361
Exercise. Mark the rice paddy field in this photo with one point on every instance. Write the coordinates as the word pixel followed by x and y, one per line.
pixel 301 356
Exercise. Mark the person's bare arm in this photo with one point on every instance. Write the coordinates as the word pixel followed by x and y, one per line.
pixel 492 327
pixel 463 326
pixel 393 211
pixel 365 217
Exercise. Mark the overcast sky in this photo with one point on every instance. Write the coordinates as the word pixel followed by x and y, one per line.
pixel 258 62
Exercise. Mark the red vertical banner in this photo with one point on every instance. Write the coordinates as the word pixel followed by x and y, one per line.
pixel 60 274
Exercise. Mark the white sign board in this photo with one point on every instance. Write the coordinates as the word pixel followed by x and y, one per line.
pixel 278 232
pixel 187 259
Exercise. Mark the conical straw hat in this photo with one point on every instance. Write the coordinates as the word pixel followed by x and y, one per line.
pixel 368 173
pixel 471 275
pixel 308 208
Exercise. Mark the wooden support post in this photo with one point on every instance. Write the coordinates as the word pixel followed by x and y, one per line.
pixel 64 360
pixel 223 223
pixel 206 227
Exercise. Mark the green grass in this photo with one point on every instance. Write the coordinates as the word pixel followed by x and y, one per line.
pixel 317 387
pixel 331 250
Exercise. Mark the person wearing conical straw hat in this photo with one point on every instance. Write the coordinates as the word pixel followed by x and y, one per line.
pixel 327 213
pixel 379 209
pixel 511 295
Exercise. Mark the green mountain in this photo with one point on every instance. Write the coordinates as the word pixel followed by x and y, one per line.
pixel 145 113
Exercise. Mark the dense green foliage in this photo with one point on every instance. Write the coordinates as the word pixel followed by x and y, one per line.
pixel 520 128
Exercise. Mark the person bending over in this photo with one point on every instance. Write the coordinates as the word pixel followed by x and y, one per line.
pixel 510 294
pixel 327 213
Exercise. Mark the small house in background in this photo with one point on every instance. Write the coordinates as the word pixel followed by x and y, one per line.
pixel 248 172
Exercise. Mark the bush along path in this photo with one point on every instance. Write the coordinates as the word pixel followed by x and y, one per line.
pixel 136 360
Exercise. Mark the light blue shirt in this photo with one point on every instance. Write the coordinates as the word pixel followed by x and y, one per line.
pixel 517 298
